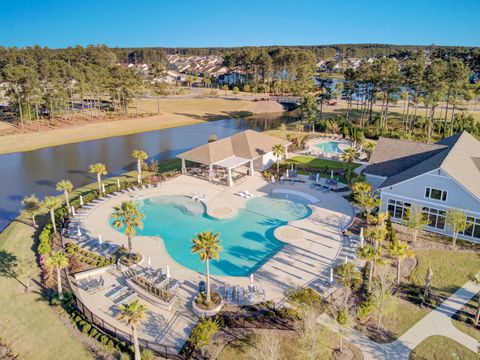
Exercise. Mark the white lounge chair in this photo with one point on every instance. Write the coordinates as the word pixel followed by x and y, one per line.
pixel 248 194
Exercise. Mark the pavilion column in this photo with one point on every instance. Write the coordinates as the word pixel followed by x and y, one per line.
pixel 184 167
pixel 251 171
pixel 229 181
pixel 286 152
pixel 210 172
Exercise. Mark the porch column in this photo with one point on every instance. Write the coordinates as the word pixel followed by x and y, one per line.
pixel 229 181
pixel 286 152
pixel 251 172
pixel 210 172
pixel 184 167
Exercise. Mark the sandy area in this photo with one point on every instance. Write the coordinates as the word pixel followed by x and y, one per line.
pixel 174 112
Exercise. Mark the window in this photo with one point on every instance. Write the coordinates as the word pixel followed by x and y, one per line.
pixel 435 217
pixel 435 194
pixel 397 208
pixel 473 228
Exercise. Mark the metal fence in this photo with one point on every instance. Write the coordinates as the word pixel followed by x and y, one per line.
pixel 165 351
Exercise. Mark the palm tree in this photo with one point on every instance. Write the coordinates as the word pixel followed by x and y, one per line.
pixel 350 155
pixel 347 276
pixel 373 256
pixel 51 203
pixel 207 246
pixel 59 260
pixel 140 155
pixel 32 206
pixel 376 234
pixel 99 169
pixel 128 216
pixel 66 186
pixel 399 250
pixel 278 150
pixel 299 128
pixel 369 147
pixel 132 314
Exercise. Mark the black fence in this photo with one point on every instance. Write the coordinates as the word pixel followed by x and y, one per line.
pixel 165 351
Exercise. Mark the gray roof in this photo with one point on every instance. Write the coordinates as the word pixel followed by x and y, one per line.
pixel 400 160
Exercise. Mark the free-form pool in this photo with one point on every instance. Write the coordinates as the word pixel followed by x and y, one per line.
pixel 329 147
pixel 247 239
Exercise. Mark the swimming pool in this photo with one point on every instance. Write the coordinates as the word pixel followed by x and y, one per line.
pixel 329 147
pixel 247 238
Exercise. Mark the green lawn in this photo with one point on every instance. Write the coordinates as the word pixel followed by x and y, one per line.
pixel 32 327
pixel 441 348
pixel 451 269
pixel 403 318
pixel 314 162
pixel 28 324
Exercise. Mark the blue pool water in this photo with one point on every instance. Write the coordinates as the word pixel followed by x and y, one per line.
pixel 329 147
pixel 247 239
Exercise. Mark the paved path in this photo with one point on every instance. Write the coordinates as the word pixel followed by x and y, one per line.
pixel 437 322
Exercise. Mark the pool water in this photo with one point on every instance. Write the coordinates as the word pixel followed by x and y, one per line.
pixel 329 147
pixel 247 239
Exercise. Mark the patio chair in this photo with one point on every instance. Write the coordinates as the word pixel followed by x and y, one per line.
pixel 229 293
pixel 261 293
pixel 241 295
pixel 248 194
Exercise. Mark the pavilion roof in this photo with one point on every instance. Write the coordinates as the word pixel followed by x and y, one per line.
pixel 244 146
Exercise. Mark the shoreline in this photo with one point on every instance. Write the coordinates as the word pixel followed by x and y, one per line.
pixel 175 113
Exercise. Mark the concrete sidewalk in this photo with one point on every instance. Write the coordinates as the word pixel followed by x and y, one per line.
pixel 437 322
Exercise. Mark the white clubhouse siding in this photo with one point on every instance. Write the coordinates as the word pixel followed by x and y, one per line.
pixel 413 191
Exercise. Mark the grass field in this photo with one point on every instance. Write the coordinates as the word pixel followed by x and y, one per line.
pixel 28 323
pixel 243 349
pixel 441 348
pixel 451 269
pixel 315 162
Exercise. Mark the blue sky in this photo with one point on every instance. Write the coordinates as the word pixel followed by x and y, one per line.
pixel 202 23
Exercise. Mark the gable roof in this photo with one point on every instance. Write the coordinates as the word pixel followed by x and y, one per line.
pixel 247 144
pixel 400 160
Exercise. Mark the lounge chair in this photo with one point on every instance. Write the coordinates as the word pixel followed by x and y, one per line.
pixel 241 295
pixel 229 293
pixel 248 194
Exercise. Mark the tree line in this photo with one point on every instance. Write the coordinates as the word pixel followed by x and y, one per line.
pixel 48 83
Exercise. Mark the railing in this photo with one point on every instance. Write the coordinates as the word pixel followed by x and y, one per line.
pixel 165 351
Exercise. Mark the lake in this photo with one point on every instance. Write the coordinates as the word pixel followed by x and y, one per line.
pixel 38 171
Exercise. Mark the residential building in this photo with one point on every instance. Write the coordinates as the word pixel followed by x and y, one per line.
pixel 436 177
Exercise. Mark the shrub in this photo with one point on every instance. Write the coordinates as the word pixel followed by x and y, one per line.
pixel 367 307
pixel 147 354
pixel 304 296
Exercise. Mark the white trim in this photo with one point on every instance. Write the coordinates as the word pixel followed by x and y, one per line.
pixel 429 173
pixel 441 195
pixel 420 201
pixel 434 230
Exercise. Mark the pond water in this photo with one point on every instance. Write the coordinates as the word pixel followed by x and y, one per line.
pixel 38 171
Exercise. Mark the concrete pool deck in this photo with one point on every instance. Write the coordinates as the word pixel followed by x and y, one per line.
pixel 312 245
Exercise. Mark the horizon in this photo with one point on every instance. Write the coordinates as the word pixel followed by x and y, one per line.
pixel 214 24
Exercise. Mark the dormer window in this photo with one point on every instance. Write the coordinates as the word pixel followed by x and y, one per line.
pixel 436 194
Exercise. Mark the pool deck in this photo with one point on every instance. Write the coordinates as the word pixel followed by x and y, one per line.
pixel 313 244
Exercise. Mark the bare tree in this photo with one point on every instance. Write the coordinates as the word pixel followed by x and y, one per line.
pixel 309 332
pixel 382 291
pixel 266 346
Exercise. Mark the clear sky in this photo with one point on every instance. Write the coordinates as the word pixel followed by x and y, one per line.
pixel 205 23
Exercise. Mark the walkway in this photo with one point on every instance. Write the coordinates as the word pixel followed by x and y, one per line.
pixel 437 322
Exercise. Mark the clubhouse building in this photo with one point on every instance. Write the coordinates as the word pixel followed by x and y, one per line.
pixel 436 177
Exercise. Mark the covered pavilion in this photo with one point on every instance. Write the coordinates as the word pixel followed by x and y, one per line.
pixel 247 148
